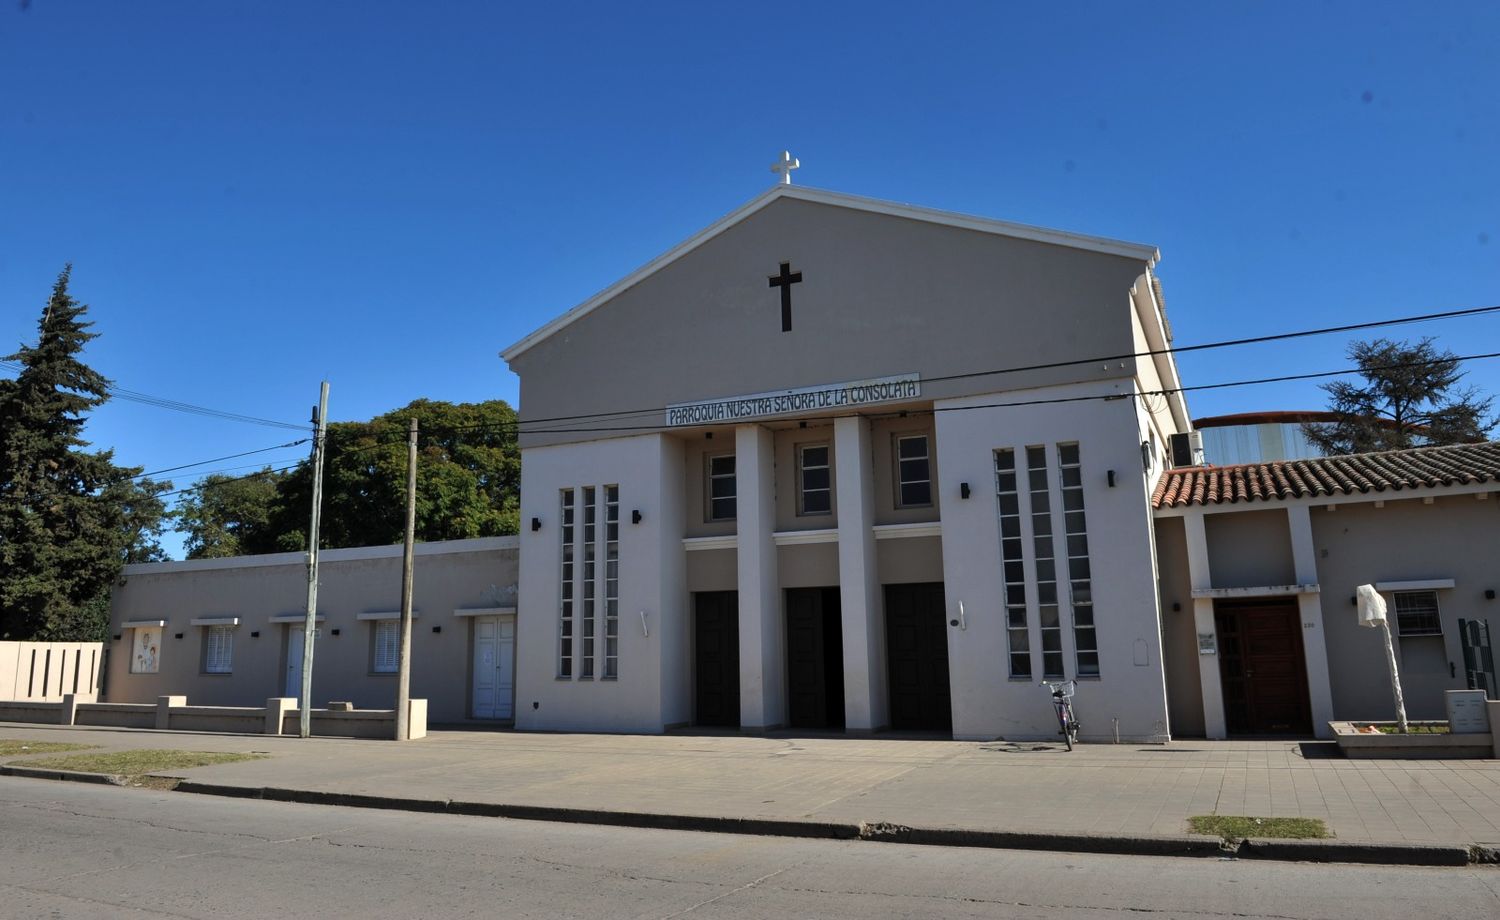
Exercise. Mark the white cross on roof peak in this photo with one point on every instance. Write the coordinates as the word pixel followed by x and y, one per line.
pixel 785 165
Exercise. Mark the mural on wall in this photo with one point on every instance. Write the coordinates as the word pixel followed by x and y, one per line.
pixel 146 655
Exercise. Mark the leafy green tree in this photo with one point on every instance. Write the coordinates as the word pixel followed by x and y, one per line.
pixel 1409 397
pixel 468 485
pixel 229 515
pixel 69 517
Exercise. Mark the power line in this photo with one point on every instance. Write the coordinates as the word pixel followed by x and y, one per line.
pixel 1064 399
pixel 1050 365
pixel 221 482
pixel 178 406
pixel 173 469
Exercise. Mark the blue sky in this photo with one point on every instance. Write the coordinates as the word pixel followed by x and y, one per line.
pixel 260 196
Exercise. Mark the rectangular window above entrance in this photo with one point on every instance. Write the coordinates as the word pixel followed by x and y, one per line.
pixel 815 481
pixel 913 472
pixel 721 488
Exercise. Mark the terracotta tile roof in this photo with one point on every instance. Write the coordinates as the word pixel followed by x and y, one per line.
pixel 1386 471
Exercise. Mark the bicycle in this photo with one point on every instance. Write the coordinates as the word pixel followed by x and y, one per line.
pixel 1062 701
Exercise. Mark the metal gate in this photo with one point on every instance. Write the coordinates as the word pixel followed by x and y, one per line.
pixel 1479 660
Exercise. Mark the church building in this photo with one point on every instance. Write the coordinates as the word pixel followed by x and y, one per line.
pixel 837 463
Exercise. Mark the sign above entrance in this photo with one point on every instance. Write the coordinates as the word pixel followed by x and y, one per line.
pixel 802 399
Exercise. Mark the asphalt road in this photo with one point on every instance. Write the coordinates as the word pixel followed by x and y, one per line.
pixel 69 850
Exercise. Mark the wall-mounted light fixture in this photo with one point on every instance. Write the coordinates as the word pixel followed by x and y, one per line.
pixel 635 516
pixel 1489 595
pixel 117 637
pixel 1353 600
pixel 536 524
pixel 708 435
pixel 334 632
pixel 179 635
pixel 1176 607
pixel 255 634
pixel 802 424
pixel 437 629
pixel 1146 456
pixel 1110 475
pixel 963 490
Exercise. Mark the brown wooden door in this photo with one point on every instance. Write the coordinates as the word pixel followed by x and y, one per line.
pixel 1262 668
pixel 815 658
pixel 916 651
pixel 716 639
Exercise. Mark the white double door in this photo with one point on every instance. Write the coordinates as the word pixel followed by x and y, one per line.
pixel 494 667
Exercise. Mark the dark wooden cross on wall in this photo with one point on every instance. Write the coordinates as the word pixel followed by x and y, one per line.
pixel 785 280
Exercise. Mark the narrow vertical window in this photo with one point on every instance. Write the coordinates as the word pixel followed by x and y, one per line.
pixel 815 486
pixel 1012 562
pixel 1075 530
pixel 913 472
pixel 218 657
pixel 590 573
pixel 721 488
pixel 387 638
pixel 611 581
pixel 1048 613
pixel 565 612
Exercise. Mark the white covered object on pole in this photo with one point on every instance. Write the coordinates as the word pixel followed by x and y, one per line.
pixel 1372 614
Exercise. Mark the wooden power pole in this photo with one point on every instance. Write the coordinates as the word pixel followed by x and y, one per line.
pixel 403 661
pixel 310 626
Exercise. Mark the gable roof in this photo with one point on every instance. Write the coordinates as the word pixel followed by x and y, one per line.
pixel 1147 254
pixel 1345 474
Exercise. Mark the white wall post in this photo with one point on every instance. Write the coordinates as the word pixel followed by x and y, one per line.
pixel 1310 614
pixel 866 698
pixel 762 647
pixel 276 709
pixel 1209 682
pixel 164 706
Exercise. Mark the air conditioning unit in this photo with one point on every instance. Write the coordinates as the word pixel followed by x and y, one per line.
pixel 1187 449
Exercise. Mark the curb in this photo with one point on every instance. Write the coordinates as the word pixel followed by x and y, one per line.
pixel 1112 844
pixel 1405 854
pixel 1183 845
pixel 765 827
pixel 70 776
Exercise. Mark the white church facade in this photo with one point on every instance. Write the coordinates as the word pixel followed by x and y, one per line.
pixel 835 463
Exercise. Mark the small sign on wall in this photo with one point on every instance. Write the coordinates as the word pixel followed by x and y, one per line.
pixel 1207 644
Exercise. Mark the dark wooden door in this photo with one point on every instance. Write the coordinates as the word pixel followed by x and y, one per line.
pixel 916 635
pixel 1262 668
pixel 716 639
pixel 815 662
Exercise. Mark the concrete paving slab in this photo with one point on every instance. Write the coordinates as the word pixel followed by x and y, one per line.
pixel 942 786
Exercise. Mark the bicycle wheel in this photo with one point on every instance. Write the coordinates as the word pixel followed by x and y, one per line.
pixel 1070 733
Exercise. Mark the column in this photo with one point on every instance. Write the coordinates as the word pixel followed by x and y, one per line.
pixel 866 698
pixel 1310 610
pixel 1209 683
pixel 762 646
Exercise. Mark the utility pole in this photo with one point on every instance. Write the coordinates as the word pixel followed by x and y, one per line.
pixel 403 660
pixel 310 626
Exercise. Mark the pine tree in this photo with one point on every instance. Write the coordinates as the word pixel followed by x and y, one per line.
pixel 69 518
pixel 1409 397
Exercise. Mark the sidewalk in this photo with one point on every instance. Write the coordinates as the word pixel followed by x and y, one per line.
pixel 1122 790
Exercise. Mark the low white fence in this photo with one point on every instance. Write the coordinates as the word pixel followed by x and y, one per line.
pixel 46 671
pixel 279 716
